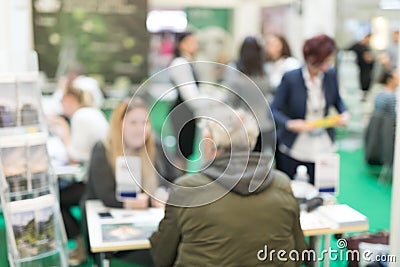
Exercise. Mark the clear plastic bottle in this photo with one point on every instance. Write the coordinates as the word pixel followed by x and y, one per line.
pixel 301 174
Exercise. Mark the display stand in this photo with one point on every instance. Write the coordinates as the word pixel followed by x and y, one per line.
pixel 29 192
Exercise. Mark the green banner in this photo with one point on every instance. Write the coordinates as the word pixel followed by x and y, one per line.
pixel 109 38
pixel 201 18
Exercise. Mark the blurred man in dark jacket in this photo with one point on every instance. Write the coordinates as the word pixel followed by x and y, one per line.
pixel 235 211
pixel 365 62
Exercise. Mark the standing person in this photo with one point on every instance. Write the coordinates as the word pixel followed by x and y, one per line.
pixel 129 135
pixel 184 77
pixel 279 59
pixel 365 62
pixel 87 126
pixel 305 95
pixel 198 230
pixel 250 63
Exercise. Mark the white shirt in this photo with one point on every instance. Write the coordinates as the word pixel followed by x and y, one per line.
pixel 88 126
pixel 307 146
pixel 182 75
pixel 276 69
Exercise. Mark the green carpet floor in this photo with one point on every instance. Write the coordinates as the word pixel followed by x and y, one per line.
pixel 359 187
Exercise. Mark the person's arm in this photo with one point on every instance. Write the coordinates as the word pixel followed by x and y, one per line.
pixel 81 139
pixel 60 128
pixel 181 74
pixel 102 178
pixel 339 104
pixel 279 104
pixel 280 101
pixel 165 241
pixel 300 243
pixel 299 240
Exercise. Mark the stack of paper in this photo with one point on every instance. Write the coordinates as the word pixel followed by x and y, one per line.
pixel 311 221
pixel 342 215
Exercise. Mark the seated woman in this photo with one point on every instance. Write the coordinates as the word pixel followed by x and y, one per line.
pixel 87 126
pixel 379 135
pixel 129 135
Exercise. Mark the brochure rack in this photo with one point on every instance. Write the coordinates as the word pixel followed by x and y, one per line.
pixel 29 191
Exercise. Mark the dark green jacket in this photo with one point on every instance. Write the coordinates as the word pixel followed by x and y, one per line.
pixel 233 229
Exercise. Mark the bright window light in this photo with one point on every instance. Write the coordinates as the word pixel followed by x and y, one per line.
pixel 389 4
pixel 166 20
pixel 380 30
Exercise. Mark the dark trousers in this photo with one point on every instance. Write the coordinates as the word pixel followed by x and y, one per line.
pixel 265 139
pixel 70 196
pixel 184 125
pixel 288 165
pixel 186 138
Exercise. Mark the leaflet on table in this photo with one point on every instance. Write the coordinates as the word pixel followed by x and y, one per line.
pixel 33 225
pixel 128 175
pixel 130 225
pixel 152 214
pixel 125 232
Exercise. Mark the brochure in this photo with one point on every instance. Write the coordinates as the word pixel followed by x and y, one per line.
pixel 125 232
pixel 128 177
pixel 33 225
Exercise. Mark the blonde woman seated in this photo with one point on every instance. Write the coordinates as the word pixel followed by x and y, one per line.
pixel 129 135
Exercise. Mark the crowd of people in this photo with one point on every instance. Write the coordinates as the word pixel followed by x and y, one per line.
pixel 295 96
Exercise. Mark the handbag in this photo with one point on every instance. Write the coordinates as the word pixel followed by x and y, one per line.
pixel 353 242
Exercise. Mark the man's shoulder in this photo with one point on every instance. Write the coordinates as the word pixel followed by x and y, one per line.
pixel 192 180
pixel 281 181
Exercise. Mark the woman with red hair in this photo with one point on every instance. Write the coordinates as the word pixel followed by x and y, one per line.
pixel 303 98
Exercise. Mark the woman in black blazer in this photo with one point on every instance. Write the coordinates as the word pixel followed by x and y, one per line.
pixel 306 95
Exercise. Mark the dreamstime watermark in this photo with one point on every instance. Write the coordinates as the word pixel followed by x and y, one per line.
pixel 340 254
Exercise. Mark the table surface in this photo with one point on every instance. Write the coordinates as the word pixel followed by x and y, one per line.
pixel 123 224
pixel 313 224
